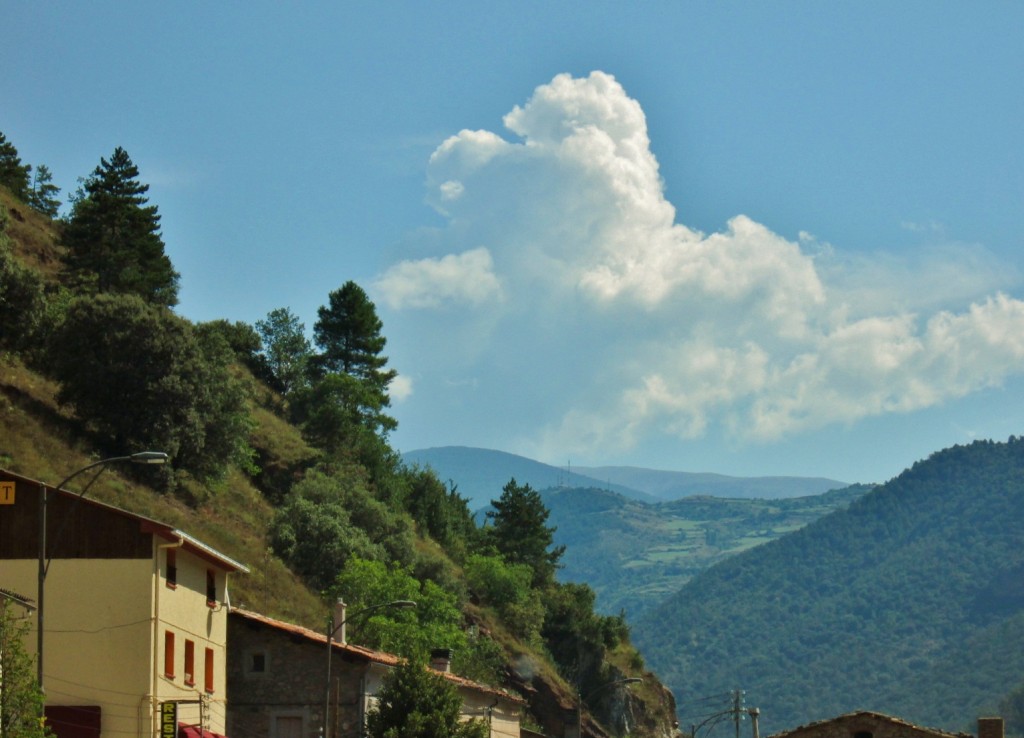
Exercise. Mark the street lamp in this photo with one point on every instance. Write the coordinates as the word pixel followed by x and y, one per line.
pixel 591 693
pixel 333 628
pixel 143 457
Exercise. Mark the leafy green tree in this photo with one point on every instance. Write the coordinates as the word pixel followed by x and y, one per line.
pixel 286 349
pixel 520 532
pixel 435 623
pixel 416 703
pixel 13 174
pixel 328 518
pixel 22 298
pixel 439 511
pixel 507 588
pixel 141 377
pixel 317 539
pixel 576 636
pixel 241 338
pixel 21 700
pixel 42 194
pixel 113 237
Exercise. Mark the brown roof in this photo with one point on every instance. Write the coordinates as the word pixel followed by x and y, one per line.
pixel 147 525
pixel 380 657
pixel 17 598
pixel 872 715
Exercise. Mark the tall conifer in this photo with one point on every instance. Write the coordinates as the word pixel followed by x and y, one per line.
pixel 113 236
pixel 13 174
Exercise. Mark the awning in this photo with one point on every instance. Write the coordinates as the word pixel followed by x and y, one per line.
pixel 195 731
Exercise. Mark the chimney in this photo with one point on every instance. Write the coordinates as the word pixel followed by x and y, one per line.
pixel 441 660
pixel 990 727
pixel 338 621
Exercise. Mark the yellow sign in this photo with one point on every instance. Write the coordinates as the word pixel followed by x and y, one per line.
pixel 168 719
pixel 6 493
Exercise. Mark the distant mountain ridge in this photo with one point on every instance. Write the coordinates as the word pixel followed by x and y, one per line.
pixel 672 485
pixel 481 473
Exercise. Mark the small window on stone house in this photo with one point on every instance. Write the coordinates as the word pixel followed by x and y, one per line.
pixel 863 734
pixel 257 662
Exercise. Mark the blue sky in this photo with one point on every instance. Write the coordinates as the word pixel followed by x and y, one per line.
pixel 748 238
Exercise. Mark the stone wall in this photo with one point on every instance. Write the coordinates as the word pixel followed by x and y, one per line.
pixel 277 685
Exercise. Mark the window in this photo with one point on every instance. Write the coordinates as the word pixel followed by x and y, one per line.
pixel 258 662
pixel 169 654
pixel 208 679
pixel 190 663
pixel 211 588
pixel 171 574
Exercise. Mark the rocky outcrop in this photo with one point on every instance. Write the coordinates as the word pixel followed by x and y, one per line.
pixel 648 710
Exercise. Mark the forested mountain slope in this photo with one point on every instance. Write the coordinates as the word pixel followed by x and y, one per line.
pixel 910 602
pixel 636 554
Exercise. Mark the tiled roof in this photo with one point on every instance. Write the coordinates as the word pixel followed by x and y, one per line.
pixel 17 598
pixel 874 715
pixel 380 657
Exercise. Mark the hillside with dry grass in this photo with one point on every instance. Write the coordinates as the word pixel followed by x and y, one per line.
pixel 44 439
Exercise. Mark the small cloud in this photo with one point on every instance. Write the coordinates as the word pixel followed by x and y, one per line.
pixel 931 227
pixel 466 278
pixel 400 388
pixel 451 190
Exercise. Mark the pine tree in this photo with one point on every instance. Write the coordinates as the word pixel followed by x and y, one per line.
pixel 42 194
pixel 113 237
pixel 349 392
pixel 13 174
pixel 347 331
pixel 520 532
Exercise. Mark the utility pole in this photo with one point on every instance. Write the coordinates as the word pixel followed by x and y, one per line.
pixel 737 709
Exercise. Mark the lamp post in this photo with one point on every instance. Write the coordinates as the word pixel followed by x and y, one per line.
pixel 143 457
pixel 591 693
pixel 333 628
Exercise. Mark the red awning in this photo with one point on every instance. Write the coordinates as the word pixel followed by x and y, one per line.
pixel 195 731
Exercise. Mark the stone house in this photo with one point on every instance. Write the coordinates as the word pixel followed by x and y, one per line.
pixel 135 621
pixel 865 724
pixel 277 680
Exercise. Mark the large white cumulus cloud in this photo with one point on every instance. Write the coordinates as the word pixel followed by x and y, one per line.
pixel 643 327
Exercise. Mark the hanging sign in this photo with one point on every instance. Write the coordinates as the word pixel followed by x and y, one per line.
pixel 168 719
